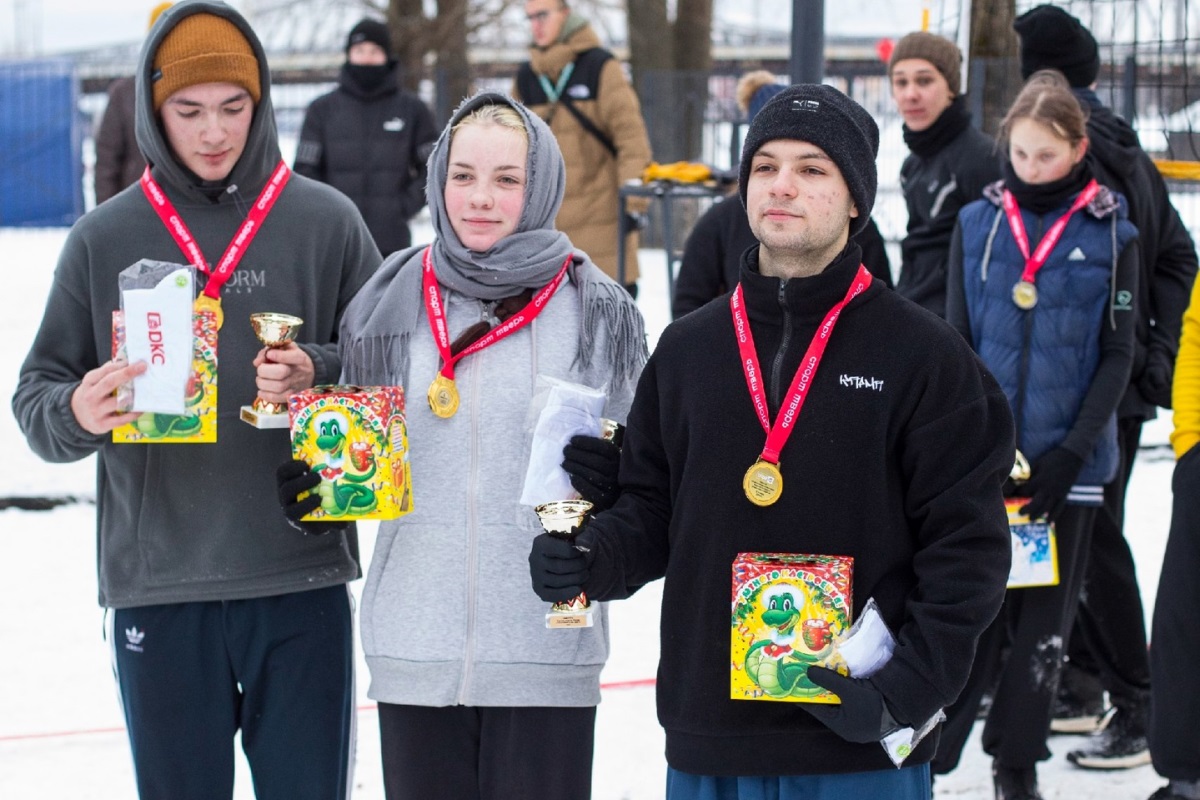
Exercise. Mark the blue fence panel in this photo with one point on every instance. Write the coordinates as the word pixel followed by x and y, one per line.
pixel 41 162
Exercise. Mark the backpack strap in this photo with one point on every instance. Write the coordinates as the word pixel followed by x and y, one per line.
pixel 589 126
pixel 584 70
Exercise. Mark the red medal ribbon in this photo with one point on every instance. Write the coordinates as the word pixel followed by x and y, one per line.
pixel 241 240
pixel 778 433
pixel 437 314
pixel 1046 245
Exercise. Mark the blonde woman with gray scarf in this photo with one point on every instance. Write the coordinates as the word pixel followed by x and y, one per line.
pixel 478 700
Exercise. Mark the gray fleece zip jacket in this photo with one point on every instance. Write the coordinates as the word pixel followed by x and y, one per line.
pixel 448 615
pixel 197 522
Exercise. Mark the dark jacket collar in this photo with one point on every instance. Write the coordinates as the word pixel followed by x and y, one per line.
pixel 804 298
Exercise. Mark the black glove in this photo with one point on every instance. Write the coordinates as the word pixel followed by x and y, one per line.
pixel 592 464
pixel 1155 381
pixel 560 567
pixel 862 717
pixel 295 477
pixel 1050 478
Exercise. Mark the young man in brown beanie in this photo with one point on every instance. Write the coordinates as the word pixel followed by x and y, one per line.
pixel 950 161
pixel 1107 650
pixel 223 618
pixel 892 456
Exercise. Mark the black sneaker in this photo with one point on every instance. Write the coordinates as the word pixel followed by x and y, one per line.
pixel 1015 783
pixel 1120 745
pixel 1077 714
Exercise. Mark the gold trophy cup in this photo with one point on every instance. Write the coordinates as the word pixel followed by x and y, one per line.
pixel 561 519
pixel 275 331
pixel 1020 471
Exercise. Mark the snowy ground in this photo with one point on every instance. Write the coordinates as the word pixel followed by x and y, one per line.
pixel 61 733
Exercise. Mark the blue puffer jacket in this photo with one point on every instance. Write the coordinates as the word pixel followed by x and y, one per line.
pixel 1046 357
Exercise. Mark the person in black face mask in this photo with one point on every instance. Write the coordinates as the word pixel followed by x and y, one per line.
pixel 370 139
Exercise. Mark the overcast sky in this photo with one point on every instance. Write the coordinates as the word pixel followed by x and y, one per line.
pixel 42 27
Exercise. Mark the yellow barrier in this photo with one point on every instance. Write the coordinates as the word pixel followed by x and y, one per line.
pixel 1179 170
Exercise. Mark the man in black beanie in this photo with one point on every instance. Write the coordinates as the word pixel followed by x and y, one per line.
pixel 1107 650
pixel 370 139
pixel 893 456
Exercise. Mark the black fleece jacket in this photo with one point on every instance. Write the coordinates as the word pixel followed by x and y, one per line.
pixel 897 459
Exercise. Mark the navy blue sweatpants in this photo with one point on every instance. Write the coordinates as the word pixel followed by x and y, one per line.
pixel 280 669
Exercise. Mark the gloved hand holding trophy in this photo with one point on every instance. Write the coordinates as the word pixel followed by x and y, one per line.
pixel 560 557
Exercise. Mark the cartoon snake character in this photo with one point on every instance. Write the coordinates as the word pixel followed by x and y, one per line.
pixel 169 426
pixel 779 663
pixel 343 486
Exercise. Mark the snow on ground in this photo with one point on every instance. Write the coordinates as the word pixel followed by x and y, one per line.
pixel 61 733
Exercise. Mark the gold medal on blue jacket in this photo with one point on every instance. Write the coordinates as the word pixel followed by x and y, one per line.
pixel 1024 294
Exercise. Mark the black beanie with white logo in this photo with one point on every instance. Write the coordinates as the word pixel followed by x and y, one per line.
pixel 821 115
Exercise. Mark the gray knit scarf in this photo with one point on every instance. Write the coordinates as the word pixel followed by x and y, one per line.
pixel 388 310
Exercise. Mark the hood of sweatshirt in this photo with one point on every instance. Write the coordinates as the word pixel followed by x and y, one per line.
pixel 261 155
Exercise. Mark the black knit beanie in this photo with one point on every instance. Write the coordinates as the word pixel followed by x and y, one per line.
pixel 823 116
pixel 1053 39
pixel 370 30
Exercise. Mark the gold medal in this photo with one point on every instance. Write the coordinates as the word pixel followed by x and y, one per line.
pixel 443 397
pixel 1024 294
pixel 213 304
pixel 763 483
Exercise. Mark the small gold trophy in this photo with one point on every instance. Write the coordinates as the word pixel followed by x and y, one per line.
pixel 561 519
pixel 275 331
pixel 1020 471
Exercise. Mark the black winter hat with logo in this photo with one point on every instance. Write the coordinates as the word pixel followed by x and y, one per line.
pixel 821 115
pixel 370 30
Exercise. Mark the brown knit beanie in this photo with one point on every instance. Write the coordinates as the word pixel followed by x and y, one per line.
pixel 204 48
pixel 937 50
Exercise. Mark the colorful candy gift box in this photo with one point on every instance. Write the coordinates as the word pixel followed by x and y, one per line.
pixel 199 424
pixel 1034 548
pixel 356 439
pixel 788 609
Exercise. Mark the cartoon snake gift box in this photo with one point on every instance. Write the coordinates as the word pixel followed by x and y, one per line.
pixel 158 324
pixel 355 438
pixel 788 612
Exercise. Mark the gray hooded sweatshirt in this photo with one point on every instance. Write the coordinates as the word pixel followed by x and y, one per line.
pixel 449 616
pixel 198 522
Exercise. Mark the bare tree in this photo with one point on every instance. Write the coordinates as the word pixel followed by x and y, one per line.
pixel 994 64
pixel 671 62
pixel 436 47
